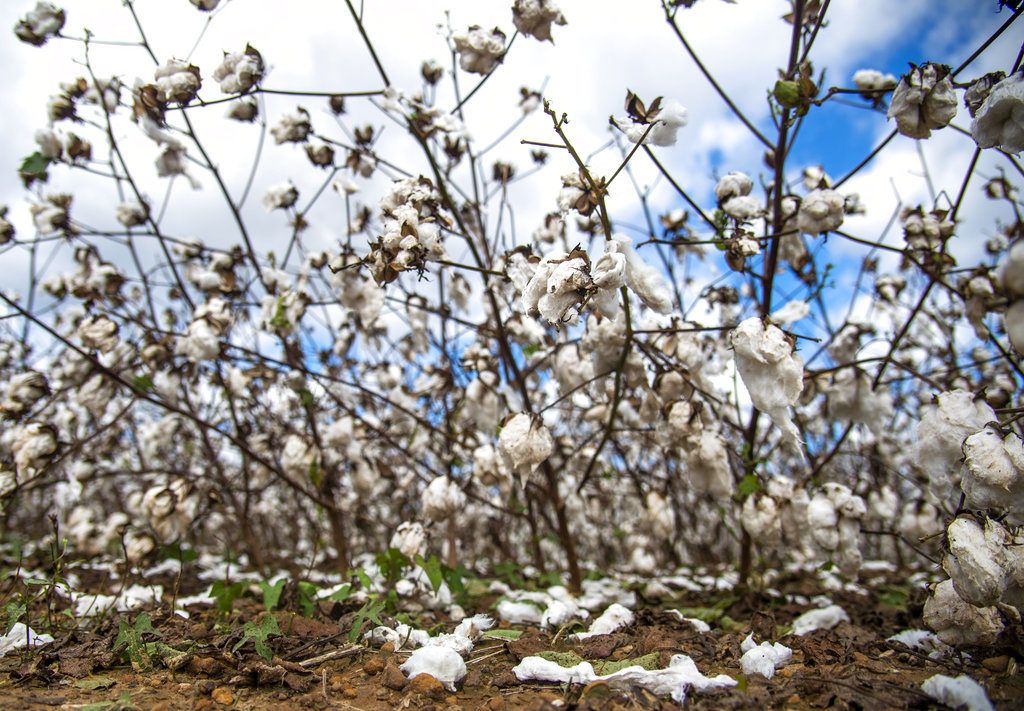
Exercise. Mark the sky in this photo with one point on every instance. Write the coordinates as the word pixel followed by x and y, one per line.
pixel 606 48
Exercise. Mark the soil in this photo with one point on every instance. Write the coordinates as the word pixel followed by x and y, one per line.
pixel 203 662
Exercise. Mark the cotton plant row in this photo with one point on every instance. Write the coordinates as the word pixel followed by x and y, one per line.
pixel 441 379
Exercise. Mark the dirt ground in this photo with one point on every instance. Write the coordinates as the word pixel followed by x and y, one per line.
pixel 207 662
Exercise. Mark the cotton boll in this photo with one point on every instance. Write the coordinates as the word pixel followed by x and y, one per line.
pixel 823 618
pixel 535 17
pixel 480 51
pixel 823 520
pixel 410 538
pixel 558 613
pixel 518 613
pixel 1013 320
pixel 526 442
pixel 763 658
pixel 873 80
pixel 992 476
pixel 1010 273
pixel 821 211
pixel 709 470
pixel 923 101
pixel 670 118
pixel 644 280
pixel 615 617
pixel 957 622
pixel 940 436
pixel 239 71
pixel 442 499
pixel 444 664
pixel 659 515
pixel 792 312
pixel 760 518
pixel 957 692
pixel 999 121
pixel 975 561
pixel 771 372
pixel 177 81
pixel 734 184
pixel 851 397
pixel 743 208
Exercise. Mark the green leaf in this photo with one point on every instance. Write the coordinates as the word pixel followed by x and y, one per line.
pixel 432 567
pixel 370 611
pixel 33 167
pixel 364 579
pixel 315 474
pixel 142 383
pixel 268 627
pixel 95 682
pixel 503 635
pixel 562 659
pixel 178 552
pixel 226 593
pixel 15 611
pixel 391 564
pixel 341 594
pixel 307 593
pixel 647 661
pixel 748 485
pixel 272 593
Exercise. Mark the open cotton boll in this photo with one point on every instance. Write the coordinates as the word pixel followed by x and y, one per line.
pixel 822 210
pixel 559 612
pixel 824 618
pixel 472 627
pixel 442 498
pixel 443 663
pixel 1010 273
pixel 975 561
pixel 677 679
pixel 922 641
pixel 526 443
pixel 992 476
pixel 1000 119
pixel 20 636
pixel 957 692
pixel 771 371
pixel 518 613
pixel 733 184
pixel 1013 320
pixel 941 434
pixel 614 618
pixel 763 658
pixel 643 279
pixel 957 622
pixel 792 312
